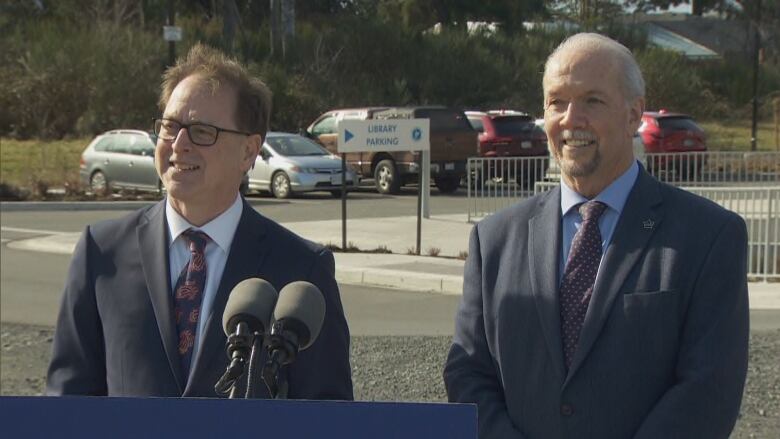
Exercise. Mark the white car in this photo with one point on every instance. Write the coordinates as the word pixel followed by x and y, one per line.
pixel 289 164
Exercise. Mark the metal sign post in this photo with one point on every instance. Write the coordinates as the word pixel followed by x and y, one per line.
pixel 343 201
pixel 387 135
pixel 420 191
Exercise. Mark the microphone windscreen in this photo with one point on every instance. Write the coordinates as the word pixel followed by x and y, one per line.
pixel 252 301
pixel 303 303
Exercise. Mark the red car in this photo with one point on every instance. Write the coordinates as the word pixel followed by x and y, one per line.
pixel 665 132
pixel 507 133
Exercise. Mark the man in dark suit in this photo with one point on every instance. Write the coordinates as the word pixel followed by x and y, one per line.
pixel 613 306
pixel 142 309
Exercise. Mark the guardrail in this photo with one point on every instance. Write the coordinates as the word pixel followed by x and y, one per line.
pixel 759 207
pixel 715 168
pixel 494 183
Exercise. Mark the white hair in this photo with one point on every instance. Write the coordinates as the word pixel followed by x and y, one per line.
pixel 633 82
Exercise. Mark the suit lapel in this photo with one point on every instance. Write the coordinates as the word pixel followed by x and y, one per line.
pixel 544 249
pixel 247 253
pixel 153 242
pixel 639 219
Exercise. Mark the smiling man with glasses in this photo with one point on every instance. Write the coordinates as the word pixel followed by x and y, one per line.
pixel 142 309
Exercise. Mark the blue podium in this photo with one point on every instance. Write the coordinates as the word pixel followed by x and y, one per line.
pixel 82 417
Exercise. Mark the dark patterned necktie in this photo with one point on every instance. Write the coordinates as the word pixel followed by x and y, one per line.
pixel 188 294
pixel 579 276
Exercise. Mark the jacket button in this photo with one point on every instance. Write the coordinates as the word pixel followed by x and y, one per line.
pixel 567 410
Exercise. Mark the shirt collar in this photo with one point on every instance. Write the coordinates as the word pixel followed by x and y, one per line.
pixel 221 229
pixel 614 195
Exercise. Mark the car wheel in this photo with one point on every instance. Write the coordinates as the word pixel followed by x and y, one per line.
pixel 98 183
pixel 447 184
pixel 280 185
pixel 336 193
pixel 386 178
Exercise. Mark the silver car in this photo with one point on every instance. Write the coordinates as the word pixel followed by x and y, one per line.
pixel 120 159
pixel 289 163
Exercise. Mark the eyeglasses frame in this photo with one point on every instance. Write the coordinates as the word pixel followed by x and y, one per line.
pixel 187 127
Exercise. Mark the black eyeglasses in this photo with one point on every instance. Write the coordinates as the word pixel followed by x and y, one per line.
pixel 201 134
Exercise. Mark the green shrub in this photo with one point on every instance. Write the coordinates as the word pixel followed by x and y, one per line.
pixel 62 80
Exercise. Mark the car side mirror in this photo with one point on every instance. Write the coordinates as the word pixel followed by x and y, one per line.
pixel 264 155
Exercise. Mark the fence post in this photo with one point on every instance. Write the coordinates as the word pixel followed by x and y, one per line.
pixel 769 227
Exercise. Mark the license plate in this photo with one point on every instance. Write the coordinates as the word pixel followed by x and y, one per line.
pixel 335 179
pixel 689 142
pixel 525 144
pixel 449 166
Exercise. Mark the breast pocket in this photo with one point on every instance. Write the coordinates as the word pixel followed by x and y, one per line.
pixel 652 322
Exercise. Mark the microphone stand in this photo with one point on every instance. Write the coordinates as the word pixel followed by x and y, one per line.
pixel 238 346
pixel 282 347
pixel 257 346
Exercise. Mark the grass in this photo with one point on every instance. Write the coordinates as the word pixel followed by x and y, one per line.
pixel 26 163
pixel 734 135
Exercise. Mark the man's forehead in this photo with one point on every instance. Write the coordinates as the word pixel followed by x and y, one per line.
pixel 200 99
pixel 589 70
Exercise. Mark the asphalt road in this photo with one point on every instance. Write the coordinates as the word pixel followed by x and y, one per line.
pixel 315 206
pixel 31 286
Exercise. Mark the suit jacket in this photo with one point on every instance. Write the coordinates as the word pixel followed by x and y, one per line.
pixel 663 349
pixel 115 333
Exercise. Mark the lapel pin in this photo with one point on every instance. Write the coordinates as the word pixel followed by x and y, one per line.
pixel 648 224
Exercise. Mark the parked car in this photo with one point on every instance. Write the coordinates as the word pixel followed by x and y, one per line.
pixel 452 142
pixel 123 159
pixel 289 164
pixel 120 159
pixel 665 132
pixel 508 133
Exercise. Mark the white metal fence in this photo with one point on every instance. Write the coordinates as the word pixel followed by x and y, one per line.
pixel 715 168
pixel 759 207
pixel 494 183
pixel 744 182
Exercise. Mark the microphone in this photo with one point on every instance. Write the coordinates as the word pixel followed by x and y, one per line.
pixel 298 318
pixel 245 321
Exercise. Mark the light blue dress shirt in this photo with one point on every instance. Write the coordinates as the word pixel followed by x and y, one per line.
pixel 614 196
pixel 220 230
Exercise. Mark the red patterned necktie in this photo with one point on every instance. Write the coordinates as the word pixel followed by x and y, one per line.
pixel 188 294
pixel 579 276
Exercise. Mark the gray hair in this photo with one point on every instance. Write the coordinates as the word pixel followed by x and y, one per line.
pixel 633 82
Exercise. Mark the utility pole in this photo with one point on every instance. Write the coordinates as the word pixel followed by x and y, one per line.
pixel 756 55
pixel 171 44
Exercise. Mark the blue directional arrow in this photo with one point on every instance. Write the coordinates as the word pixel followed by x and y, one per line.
pixel 348 136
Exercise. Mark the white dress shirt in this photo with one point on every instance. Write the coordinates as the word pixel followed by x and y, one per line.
pixel 220 231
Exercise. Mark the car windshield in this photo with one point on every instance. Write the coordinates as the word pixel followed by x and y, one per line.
pixel 295 146
pixel 678 124
pixel 508 126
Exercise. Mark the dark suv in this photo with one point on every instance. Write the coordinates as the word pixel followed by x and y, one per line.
pixel 507 133
pixel 452 140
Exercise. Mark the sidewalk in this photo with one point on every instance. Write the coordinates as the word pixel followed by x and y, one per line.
pixel 447 233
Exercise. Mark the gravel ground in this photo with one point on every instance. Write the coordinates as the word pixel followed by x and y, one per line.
pixel 409 369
